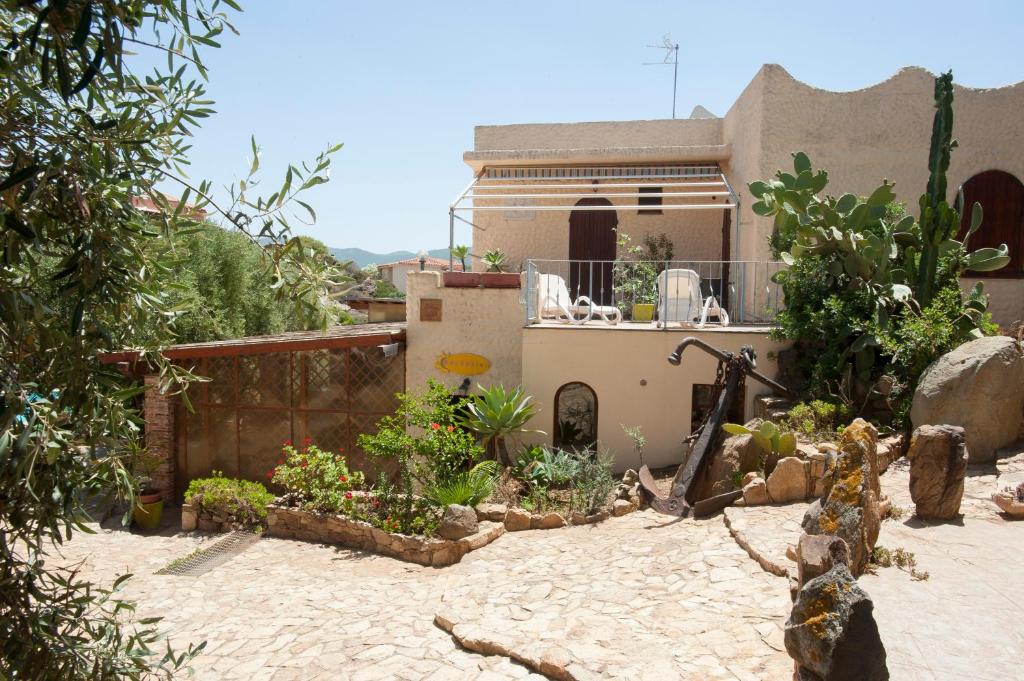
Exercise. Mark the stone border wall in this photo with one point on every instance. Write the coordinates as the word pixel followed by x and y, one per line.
pixel 295 523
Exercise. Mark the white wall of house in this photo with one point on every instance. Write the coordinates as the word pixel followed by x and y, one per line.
pixel 635 385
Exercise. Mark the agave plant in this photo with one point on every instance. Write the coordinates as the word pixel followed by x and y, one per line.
pixel 468 488
pixel 495 260
pixel 776 444
pixel 494 414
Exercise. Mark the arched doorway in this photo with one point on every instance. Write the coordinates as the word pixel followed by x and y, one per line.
pixel 1001 196
pixel 575 416
pixel 592 238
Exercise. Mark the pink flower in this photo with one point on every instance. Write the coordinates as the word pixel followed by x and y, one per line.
pixel 435 426
pixel 348 495
pixel 342 478
pixel 451 429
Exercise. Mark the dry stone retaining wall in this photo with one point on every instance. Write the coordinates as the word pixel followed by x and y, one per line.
pixel 295 523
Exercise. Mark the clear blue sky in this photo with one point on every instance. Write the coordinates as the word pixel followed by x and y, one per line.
pixel 402 84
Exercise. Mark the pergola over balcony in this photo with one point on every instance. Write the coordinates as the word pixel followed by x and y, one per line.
pixel 679 187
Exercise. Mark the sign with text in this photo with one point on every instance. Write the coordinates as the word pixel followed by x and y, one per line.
pixel 462 363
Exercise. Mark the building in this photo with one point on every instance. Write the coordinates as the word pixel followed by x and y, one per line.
pixel 557 198
pixel 397 272
pixel 561 192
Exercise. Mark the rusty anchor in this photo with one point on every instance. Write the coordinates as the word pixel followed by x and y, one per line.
pixel 733 369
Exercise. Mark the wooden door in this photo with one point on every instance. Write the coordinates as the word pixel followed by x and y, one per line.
pixel 1001 196
pixel 592 238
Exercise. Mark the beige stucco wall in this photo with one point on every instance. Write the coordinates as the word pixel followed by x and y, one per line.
pixel 607 134
pixel 485 322
pixel 863 136
pixel 398 274
pixel 614 362
pixel 697 235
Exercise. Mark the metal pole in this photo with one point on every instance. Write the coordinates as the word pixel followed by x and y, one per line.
pixel 675 76
pixel 451 239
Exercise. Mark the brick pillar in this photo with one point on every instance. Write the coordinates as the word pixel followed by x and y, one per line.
pixel 159 414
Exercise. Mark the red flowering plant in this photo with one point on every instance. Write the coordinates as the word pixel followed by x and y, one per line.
pixel 316 479
pixel 425 444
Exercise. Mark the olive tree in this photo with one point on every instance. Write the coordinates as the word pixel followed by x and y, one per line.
pixel 84 137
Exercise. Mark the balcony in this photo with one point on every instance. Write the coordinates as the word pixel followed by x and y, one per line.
pixel 651 295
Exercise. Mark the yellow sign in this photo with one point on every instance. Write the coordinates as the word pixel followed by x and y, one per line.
pixel 462 363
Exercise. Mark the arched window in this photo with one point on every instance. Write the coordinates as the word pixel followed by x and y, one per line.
pixel 1001 196
pixel 575 416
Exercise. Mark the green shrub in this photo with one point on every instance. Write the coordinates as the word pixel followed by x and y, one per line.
pixel 542 467
pixel 917 339
pixel 592 483
pixel 317 480
pixel 430 454
pixel 817 418
pixel 243 500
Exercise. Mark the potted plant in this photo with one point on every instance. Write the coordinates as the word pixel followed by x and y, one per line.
pixel 149 503
pixel 635 281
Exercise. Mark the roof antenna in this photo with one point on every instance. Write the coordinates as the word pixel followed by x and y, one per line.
pixel 671 57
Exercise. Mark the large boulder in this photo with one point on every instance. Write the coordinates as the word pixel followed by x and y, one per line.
pixel 788 482
pixel 979 386
pixel 458 522
pixel 736 454
pixel 849 508
pixel 938 461
pixel 831 631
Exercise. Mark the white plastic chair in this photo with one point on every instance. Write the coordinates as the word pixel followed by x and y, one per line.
pixel 679 300
pixel 555 303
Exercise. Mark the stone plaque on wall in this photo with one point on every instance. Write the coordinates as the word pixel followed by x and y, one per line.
pixel 430 309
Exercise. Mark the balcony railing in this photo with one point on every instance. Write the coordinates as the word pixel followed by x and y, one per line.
pixel 662 294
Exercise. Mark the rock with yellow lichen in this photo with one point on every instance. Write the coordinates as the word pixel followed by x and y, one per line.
pixel 831 632
pixel 849 508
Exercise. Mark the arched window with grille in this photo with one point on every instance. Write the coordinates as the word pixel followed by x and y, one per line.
pixel 1001 196
pixel 575 416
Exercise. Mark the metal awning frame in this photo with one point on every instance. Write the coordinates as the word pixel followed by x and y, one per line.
pixel 528 188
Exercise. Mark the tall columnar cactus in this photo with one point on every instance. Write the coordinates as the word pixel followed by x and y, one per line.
pixel 938 221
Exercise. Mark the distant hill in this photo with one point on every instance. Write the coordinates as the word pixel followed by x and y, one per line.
pixel 363 258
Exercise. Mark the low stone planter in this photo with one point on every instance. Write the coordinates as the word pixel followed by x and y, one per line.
pixel 519 519
pixel 295 523
pixel 194 518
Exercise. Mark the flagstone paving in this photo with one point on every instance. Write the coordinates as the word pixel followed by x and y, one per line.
pixel 641 596
pixel 637 597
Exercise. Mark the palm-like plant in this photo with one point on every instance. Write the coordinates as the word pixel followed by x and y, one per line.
pixel 468 488
pixel 461 252
pixel 494 414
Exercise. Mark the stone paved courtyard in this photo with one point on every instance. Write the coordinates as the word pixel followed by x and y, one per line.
pixel 637 597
